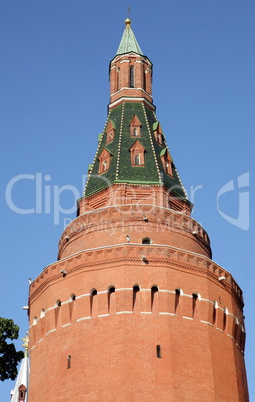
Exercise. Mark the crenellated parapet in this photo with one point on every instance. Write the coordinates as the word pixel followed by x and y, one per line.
pixel 172 304
pixel 141 256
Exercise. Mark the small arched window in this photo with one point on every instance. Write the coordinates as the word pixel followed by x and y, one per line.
pixel 104 166
pixel 158 132
pixel 93 301
pixel 22 393
pixel 136 291
pixel 154 300
pixel 178 293
pixel 135 127
pixel 146 240
pixel 111 290
pixel 110 130
pixel 58 303
pixel 137 159
pixel 111 300
pixel 166 161
pixel 104 161
pixel 137 154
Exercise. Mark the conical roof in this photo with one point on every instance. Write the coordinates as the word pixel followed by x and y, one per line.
pixel 121 170
pixel 132 149
pixel 22 380
pixel 128 41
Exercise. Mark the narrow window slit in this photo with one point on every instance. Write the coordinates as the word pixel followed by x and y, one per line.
pixel 177 299
pixel 154 292
pixel 159 356
pixel 68 362
pixel 93 295
pixel 132 77
pixel 136 290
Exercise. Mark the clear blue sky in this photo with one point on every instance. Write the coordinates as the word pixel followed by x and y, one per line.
pixel 54 94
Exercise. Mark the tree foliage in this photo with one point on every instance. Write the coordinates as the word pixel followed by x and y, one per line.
pixel 9 356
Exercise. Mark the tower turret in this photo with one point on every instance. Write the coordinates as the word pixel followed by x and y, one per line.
pixel 130 71
pixel 134 308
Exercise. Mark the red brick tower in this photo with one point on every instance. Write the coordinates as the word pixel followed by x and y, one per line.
pixel 135 309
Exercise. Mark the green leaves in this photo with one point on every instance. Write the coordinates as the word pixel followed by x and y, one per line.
pixel 9 357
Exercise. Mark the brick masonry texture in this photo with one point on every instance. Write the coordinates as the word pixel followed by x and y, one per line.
pixel 135 309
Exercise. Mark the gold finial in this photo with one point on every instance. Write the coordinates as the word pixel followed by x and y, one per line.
pixel 25 344
pixel 128 22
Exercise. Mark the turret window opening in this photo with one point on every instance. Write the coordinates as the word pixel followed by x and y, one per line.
pixel 118 79
pixel 167 163
pixel 137 154
pixel 104 166
pixel 158 133
pixel 169 168
pixel 160 138
pixel 135 127
pixel 110 136
pixel 135 130
pixel 132 77
pixel 110 131
pixel 137 159
pixel 104 161
pixel 144 80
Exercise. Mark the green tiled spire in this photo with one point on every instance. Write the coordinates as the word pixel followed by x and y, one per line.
pixel 121 169
pixel 128 41
pixel 132 149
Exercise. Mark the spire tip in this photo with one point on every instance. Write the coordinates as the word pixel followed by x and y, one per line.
pixel 128 22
